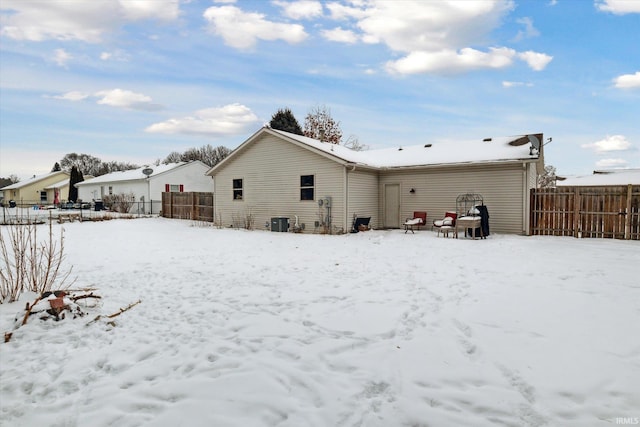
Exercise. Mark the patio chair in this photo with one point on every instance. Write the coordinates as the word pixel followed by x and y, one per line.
pixel 360 223
pixel 445 224
pixel 419 219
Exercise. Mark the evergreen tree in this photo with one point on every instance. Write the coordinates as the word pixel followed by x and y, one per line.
pixel 286 121
pixel 74 178
pixel 56 167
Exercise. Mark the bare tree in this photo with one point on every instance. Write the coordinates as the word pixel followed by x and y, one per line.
pixel 354 144
pixel 90 165
pixel 206 154
pixel 548 178
pixel 85 163
pixel 320 125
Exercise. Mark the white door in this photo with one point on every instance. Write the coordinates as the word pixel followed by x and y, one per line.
pixel 392 206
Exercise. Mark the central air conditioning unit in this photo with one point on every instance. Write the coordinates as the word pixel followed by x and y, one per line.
pixel 280 224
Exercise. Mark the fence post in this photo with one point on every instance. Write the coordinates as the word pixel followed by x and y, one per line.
pixel 193 207
pixel 532 207
pixel 576 213
pixel 627 217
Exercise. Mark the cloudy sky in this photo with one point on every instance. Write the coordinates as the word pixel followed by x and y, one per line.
pixel 133 80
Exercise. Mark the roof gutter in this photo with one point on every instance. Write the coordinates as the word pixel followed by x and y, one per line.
pixel 470 163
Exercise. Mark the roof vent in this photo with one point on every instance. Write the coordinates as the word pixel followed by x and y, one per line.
pixel 427 145
pixel 399 148
pixel 486 140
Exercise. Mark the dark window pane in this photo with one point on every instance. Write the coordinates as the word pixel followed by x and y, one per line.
pixel 306 194
pixel 237 194
pixel 306 181
pixel 237 183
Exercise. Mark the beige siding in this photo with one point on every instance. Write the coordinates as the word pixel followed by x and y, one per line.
pixel 270 169
pixel 30 192
pixel 363 196
pixel 502 187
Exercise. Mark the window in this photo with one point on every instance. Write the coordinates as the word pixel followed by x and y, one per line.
pixel 43 196
pixel 237 189
pixel 110 190
pixel 173 188
pixel 307 187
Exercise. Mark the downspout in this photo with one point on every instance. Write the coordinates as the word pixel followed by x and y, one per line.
pixel 525 199
pixel 347 224
pixel 345 195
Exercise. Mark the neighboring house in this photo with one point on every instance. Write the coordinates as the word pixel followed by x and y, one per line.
pixel 38 190
pixel 279 174
pixel 611 177
pixel 59 191
pixel 148 189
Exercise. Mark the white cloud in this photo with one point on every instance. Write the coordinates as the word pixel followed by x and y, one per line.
pixel 618 7
pixel 340 12
pixel 435 36
pixel 611 163
pixel 417 25
pixel 302 9
pixel 450 61
pixel 509 84
pixel 242 30
pixel 628 81
pixel 88 21
pixel 116 55
pixel 126 99
pixel 61 57
pixel 537 61
pixel 232 119
pixel 529 30
pixel 340 35
pixel 134 10
pixel 72 96
pixel 610 143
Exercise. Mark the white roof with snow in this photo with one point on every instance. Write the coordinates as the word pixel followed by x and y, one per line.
pixel 515 147
pixel 30 181
pixel 133 174
pixel 603 177
pixel 59 184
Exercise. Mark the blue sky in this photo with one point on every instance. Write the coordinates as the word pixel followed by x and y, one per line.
pixel 133 80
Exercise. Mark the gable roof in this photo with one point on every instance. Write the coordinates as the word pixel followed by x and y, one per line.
pixel 489 150
pixel 136 174
pixel 33 180
pixel 58 184
pixel 602 177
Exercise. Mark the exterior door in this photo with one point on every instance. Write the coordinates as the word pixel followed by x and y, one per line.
pixel 392 206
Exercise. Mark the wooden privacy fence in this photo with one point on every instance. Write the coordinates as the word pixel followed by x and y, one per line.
pixel 605 212
pixel 195 206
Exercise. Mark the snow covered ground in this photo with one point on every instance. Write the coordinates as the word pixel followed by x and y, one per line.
pixel 381 328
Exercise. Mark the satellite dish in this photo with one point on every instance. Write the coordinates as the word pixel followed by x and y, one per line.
pixel 147 171
pixel 535 142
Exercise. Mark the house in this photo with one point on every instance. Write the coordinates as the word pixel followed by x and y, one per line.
pixel 611 177
pixel 321 187
pixel 39 190
pixel 145 185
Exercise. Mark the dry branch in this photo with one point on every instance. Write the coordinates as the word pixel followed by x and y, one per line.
pixel 91 295
pixel 28 311
pixel 118 313
pixel 122 310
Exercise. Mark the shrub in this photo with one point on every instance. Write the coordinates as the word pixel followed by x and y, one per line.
pixel 29 265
